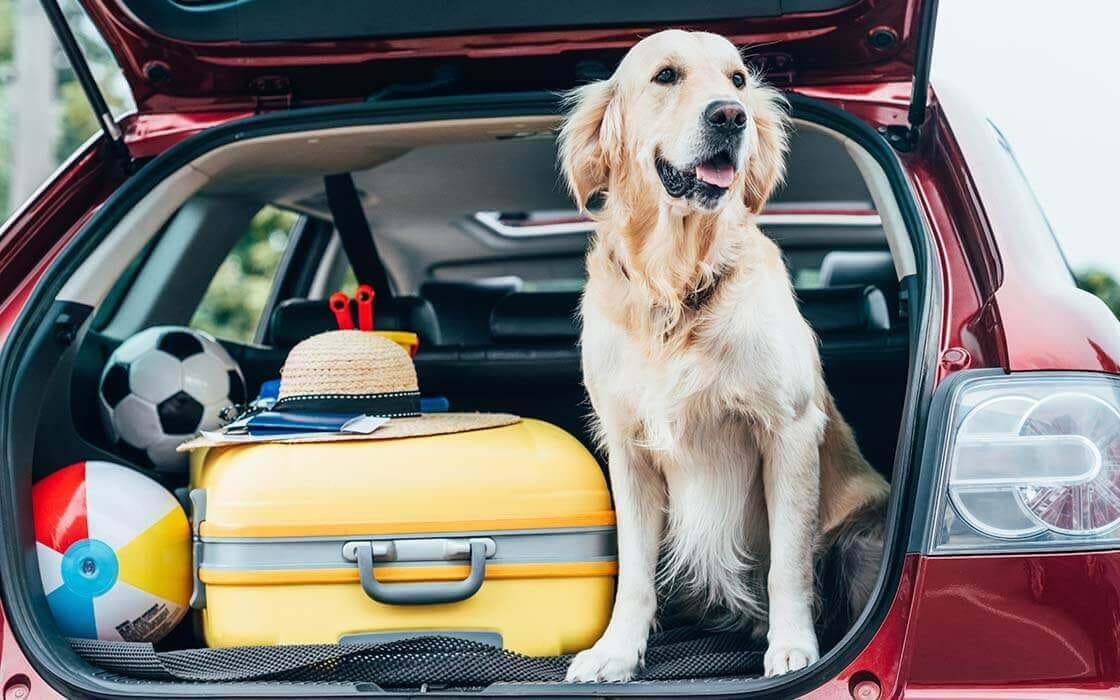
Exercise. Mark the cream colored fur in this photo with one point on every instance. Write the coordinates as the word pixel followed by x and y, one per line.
pixel 726 454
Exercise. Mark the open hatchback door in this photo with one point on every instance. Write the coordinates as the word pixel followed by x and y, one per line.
pixel 192 55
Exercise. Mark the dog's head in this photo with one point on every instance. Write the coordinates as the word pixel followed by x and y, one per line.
pixel 681 116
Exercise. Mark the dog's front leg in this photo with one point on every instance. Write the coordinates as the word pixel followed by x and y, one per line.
pixel 791 473
pixel 639 501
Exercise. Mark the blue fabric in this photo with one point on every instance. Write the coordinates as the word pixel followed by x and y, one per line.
pixel 270 389
pixel 293 422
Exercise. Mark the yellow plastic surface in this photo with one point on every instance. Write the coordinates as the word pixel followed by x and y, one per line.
pixel 530 475
pixel 406 339
pixel 539 617
pixel 525 475
pixel 409 573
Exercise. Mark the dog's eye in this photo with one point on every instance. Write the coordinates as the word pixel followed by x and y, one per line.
pixel 738 79
pixel 667 76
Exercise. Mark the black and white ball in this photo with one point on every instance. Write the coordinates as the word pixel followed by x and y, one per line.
pixel 162 386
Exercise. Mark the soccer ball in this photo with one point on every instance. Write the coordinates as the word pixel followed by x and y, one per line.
pixel 163 385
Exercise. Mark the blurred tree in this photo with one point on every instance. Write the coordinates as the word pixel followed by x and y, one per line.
pixel 30 100
pixel 5 31
pixel 75 120
pixel 1101 284
pixel 232 305
pixel 6 38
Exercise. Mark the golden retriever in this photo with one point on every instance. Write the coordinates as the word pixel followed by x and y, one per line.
pixel 726 453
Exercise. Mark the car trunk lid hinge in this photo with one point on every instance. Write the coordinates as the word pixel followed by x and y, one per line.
pixel 113 135
pixel 904 137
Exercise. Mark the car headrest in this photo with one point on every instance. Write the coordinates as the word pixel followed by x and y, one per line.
pixel 463 308
pixel 541 316
pixel 852 308
pixel 535 316
pixel 297 319
pixel 841 268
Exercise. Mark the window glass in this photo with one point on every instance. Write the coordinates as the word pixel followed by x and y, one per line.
pixel 236 297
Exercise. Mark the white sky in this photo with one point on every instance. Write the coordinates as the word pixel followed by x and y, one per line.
pixel 1047 72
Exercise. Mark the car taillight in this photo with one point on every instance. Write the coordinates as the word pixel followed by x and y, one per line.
pixel 1030 462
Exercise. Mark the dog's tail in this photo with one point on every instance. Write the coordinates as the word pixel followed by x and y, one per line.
pixel 846 570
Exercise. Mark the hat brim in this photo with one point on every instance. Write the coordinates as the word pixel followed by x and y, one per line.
pixel 397 428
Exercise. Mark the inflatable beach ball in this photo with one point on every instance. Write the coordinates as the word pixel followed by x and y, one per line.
pixel 114 552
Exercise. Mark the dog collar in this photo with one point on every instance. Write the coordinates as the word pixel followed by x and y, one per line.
pixel 697 298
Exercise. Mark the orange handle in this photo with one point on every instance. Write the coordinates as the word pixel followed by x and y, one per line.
pixel 340 307
pixel 364 296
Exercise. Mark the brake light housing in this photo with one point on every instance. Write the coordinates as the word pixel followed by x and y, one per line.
pixel 1028 462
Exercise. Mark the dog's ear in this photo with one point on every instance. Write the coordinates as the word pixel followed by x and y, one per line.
pixel 767 165
pixel 590 141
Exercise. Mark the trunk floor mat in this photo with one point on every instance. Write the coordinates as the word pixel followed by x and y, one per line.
pixel 678 654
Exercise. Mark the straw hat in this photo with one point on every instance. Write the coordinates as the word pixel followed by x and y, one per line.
pixel 361 372
pixel 364 373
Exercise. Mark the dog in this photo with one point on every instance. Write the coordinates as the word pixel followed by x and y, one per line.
pixel 732 472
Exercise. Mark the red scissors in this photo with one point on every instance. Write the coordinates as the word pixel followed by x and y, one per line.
pixel 340 306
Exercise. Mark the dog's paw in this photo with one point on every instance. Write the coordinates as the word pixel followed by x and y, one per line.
pixel 790 655
pixel 609 661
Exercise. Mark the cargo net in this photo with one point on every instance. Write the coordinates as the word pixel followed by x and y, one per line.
pixel 678 654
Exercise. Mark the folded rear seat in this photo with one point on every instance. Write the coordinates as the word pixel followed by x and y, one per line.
pixel 552 316
pixel 532 366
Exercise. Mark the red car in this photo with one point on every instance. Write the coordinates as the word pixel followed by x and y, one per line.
pixel 966 358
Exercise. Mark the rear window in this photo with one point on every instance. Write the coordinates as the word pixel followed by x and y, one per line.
pixel 238 293
pixel 531 224
pixel 807 231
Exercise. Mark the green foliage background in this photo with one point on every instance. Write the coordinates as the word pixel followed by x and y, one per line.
pixel 1103 285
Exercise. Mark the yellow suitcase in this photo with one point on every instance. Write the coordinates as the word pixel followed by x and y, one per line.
pixel 502 534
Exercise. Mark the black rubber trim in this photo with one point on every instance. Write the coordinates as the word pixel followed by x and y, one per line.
pixel 55 661
pixel 300 20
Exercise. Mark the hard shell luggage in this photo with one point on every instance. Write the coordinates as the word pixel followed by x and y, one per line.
pixel 501 534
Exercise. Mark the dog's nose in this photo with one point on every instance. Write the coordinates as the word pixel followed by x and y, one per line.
pixel 726 115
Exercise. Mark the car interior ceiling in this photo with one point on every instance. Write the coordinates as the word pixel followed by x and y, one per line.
pixel 497 333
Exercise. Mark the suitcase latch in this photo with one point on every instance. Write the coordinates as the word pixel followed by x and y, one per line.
pixel 365 552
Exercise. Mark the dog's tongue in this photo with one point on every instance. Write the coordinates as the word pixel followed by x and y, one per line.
pixel 718 175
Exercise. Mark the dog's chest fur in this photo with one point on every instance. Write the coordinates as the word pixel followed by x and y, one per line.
pixel 697 404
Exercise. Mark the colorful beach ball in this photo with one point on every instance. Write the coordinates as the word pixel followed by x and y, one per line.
pixel 114 552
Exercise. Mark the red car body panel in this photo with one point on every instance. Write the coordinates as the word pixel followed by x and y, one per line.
pixel 1023 619
pixel 958 627
pixel 821 48
pixel 16 671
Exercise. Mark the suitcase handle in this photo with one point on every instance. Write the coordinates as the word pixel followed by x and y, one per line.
pixel 423 593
